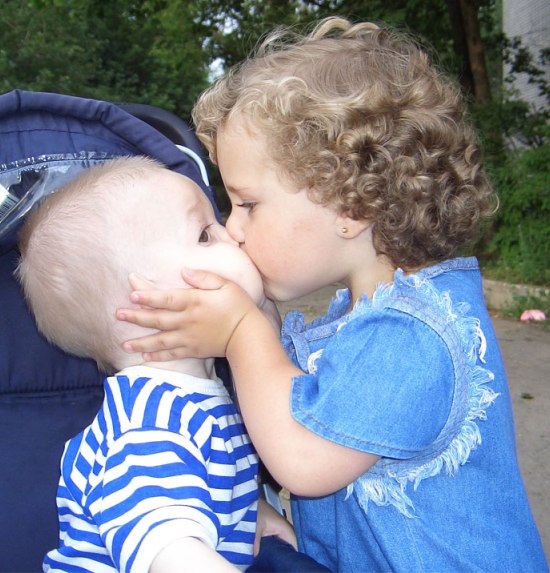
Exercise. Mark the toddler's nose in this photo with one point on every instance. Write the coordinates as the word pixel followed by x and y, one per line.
pixel 227 238
pixel 234 229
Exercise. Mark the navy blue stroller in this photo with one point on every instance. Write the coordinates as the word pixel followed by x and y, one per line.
pixel 47 396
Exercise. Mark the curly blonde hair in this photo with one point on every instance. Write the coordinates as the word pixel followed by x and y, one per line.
pixel 357 115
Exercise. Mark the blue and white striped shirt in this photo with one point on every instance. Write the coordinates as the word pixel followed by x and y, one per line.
pixel 166 457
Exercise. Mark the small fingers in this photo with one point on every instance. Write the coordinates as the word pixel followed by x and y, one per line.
pixel 174 299
pixel 166 342
pixel 202 279
pixel 157 319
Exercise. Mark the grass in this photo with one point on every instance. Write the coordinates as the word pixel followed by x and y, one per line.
pixel 540 301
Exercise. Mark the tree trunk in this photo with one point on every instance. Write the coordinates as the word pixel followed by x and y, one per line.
pixel 476 55
pixel 460 47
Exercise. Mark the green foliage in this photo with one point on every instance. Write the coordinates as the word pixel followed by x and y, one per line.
pixel 237 25
pixel 147 51
pixel 516 139
pixel 523 233
pixel 520 242
pixel 39 50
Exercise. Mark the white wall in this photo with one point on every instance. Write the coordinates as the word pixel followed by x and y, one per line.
pixel 529 19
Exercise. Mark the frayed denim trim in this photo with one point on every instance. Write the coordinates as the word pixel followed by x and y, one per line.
pixel 294 326
pixel 385 483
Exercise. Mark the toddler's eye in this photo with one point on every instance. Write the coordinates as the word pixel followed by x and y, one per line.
pixel 248 205
pixel 205 235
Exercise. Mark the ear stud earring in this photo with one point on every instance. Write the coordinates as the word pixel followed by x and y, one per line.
pixel 344 230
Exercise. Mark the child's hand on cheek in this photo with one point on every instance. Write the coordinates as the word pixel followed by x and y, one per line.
pixel 196 322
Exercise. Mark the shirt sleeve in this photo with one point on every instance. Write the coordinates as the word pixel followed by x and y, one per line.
pixel 154 491
pixel 383 385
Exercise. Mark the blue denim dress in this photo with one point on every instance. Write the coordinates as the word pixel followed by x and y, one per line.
pixel 414 375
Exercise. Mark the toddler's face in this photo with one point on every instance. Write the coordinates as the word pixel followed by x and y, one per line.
pixel 193 238
pixel 292 241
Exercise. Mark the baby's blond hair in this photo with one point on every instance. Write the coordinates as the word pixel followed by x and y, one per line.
pixel 74 275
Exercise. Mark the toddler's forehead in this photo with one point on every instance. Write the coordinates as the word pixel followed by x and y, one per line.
pixel 239 124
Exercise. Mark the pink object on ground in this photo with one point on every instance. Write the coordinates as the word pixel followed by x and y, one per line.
pixel 532 314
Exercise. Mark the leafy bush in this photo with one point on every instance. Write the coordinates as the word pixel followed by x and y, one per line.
pixel 519 245
pixel 516 139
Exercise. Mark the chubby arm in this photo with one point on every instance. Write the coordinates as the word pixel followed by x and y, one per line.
pixel 190 554
pixel 187 555
pixel 298 459
pixel 217 318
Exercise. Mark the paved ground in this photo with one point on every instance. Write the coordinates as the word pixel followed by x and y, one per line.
pixel 526 351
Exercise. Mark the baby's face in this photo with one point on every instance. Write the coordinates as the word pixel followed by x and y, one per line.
pixel 194 238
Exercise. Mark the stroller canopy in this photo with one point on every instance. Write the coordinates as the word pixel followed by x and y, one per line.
pixel 45 139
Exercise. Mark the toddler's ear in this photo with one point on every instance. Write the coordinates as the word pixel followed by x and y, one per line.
pixel 137 282
pixel 349 228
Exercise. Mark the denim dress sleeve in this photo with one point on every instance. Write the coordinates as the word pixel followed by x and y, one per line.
pixel 402 377
pixel 382 385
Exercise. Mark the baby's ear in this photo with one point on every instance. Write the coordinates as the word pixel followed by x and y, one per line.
pixel 137 282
